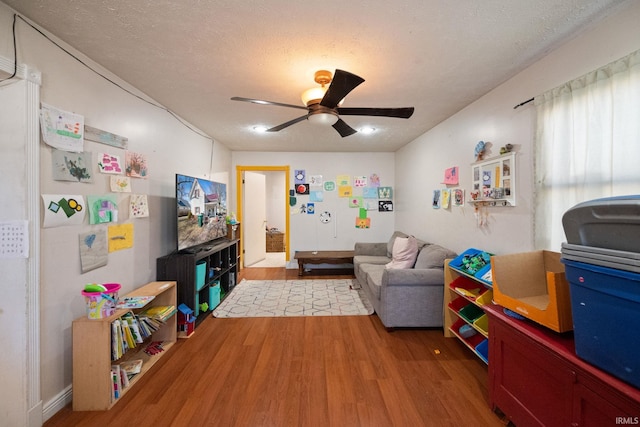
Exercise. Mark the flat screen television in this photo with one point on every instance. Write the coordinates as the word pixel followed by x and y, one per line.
pixel 201 211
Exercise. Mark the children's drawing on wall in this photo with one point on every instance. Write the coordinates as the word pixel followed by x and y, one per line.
pixel 445 197
pixel 374 180
pixel 138 206
pixel 61 210
pixel 315 180
pixel 370 192
pixel 120 237
pixel 93 250
pixel 104 137
pixel 316 196
pixel 136 165
pixel 62 129
pixel 355 202
pixel 385 193
pixel 343 180
pixel 451 176
pixel 370 204
pixel 120 184
pixel 345 191
pixel 359 181
pixel 302 188
pixel 103 209
pixel 329 186
pixel 436 199
pixel 299 176
pixel 109 163
pixel 457 197
pixel 311 208
pixel 363 222
pixel 385 206
pixel 74 167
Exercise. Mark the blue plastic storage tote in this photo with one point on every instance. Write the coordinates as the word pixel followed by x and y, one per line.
pixel 605 304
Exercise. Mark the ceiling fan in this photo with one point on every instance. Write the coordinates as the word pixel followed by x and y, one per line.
pixel 323 103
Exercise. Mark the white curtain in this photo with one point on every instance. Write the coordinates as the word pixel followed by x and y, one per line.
pixel 587 144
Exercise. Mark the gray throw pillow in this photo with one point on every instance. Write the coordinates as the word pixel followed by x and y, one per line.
pixel 433 256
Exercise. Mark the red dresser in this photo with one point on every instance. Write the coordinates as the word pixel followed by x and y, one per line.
pixel 536 379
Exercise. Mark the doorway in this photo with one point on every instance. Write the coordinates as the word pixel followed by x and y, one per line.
pixel 253 232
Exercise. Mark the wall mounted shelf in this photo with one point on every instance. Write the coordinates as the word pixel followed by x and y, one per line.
pixel 493 181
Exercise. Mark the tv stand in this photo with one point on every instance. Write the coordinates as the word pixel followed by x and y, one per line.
pixel 189 251
pixel 218 261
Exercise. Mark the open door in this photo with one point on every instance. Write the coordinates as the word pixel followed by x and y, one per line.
pixel 255 218
pixel 241 199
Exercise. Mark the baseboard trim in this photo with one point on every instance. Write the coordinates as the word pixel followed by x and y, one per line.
pixel 57 403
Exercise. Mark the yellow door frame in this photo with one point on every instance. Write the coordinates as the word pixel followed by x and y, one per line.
pixel 239 171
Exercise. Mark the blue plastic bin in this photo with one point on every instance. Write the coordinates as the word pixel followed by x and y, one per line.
pixel 605 304
pixel 214 295
pixel 201 274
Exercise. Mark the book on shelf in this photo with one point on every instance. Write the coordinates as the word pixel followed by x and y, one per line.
pixel 116 381
pixel 133 325
pixel 134 302
pixel 159 312
pixel 118 343
pixel 131 367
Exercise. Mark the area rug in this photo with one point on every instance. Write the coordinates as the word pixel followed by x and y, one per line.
pixel 281 298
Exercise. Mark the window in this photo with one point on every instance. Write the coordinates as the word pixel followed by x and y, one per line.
pixel 587 144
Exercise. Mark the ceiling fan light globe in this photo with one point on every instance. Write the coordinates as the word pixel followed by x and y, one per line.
pixel 323 119
pixel 313 95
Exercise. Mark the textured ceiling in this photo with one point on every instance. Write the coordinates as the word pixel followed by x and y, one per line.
pixel 192 56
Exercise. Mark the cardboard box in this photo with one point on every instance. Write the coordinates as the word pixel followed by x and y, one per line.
pixel 534 285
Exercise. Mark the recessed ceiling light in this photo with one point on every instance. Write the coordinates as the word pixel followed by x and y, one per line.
pixel 259 129
pixel 367 130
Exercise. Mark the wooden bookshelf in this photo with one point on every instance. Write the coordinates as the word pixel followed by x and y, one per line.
pixel 92 361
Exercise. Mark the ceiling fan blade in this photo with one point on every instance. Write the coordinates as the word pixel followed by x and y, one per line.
pixel 402 113
pixel 287 124
pixel 260 101
pixel 343 128
pixel 342 83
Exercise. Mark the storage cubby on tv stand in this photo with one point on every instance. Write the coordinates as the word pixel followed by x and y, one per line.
pixel 221 259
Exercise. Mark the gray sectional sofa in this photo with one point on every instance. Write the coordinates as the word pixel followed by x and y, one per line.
pixel 409 297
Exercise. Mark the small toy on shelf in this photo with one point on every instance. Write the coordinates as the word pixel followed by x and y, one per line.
pixel 506 149
pixel 186 321
pixel 479 150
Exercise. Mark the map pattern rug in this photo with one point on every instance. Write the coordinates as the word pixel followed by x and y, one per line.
pixel 281 298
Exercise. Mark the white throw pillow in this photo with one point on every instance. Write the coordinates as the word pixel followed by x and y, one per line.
pixel 405 251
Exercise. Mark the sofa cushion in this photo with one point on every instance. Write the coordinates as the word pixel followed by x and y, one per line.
pixel 373 274
pixel 405 250
pixel 433 256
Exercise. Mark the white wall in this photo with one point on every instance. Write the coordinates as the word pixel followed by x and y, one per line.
pixel 307 233
pixel 275 194
pixel 170 148
pixel 493 118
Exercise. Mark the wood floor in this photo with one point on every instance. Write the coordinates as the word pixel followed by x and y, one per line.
pixel 304 371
